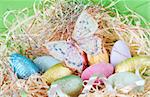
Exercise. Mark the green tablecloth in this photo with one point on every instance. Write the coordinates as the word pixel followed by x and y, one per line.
pixel 142 7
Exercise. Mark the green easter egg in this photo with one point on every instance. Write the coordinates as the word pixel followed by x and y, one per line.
pixel 71 85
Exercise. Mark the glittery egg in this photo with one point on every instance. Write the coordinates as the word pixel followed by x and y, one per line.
pixel 45 62
pixel 102 68
pixel 55 72
pixel 124 79
pixel 131 64
pixel 120 52
pixel 23 66
pixel 71 85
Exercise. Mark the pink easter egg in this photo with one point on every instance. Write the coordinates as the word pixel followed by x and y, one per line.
pixel 102 68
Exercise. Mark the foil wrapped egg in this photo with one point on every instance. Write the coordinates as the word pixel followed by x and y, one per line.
pixel 132 64
pixel 102 68
pixel 126 81
pixel 120 52
pixel 70 85
pixel 45 62
pixel 55 72
pixel 23 66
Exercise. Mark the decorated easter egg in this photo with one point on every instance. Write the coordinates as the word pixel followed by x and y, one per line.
pixel 45 62
pixel 23 66
pixel 71 85
pixel 98 58
pixel 120 52
pixel 126 80
pixel 131 64
pixel 55 72
pixel 102 68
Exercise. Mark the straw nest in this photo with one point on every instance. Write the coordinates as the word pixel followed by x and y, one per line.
pixel 55 20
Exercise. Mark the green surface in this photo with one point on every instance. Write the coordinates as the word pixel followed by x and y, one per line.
pixel 6 5
pixel 142 7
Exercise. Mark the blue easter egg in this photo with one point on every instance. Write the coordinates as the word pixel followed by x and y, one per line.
pixel 45 62
pixel 23 66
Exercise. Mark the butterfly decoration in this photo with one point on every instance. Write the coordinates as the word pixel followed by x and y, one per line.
pixel 82 41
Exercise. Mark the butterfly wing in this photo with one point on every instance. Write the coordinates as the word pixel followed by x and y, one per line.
pixel 67 52
pixel 96 53
pixel 91 45
pixel 58 49
pixel 85 26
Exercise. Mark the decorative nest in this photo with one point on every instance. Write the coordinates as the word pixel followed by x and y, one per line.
pixel 55 20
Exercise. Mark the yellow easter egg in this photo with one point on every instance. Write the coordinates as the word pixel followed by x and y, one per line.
pixel 98 58
pixel 55 72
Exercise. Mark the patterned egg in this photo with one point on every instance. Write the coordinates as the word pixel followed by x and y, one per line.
pixel 126 79
pixel 102 68
pixel 55 72
pixel 71 85
pixel 100 57
pixel 133 63
pixel 119 53
pixel 45 62
pixel 23 66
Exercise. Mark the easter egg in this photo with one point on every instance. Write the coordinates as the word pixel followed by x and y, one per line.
pixel 133 63
pixel 45 62
pixel 98 58
pixel 71 85
pixel 102 68
pixel 124 79
pixel 23 66
pixel 120 52
pixel 55 72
